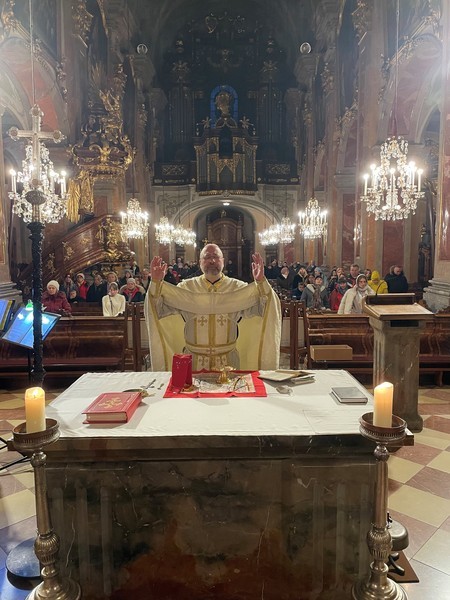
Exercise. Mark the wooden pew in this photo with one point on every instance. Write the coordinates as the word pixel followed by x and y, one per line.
pixel 434 354
pixel 356 332
pixel 86 309
pixel 75 345
pixel 352 330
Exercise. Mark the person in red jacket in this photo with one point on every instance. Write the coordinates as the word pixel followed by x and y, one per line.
pixel 82 285
pixel 339 290
pixel 55 301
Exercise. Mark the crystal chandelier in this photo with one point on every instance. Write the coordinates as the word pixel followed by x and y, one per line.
pixel 164 231
pixel 394 190
pixel 184 237
pixel 279 233
pixel 286 231
pixel 38 177
pixel 313 222
pixel 134 221
pixel 269 236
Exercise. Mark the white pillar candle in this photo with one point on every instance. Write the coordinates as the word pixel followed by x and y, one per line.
pixel 35 409
pixel 383 396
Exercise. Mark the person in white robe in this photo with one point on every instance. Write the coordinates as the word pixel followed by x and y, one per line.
pixel 220 320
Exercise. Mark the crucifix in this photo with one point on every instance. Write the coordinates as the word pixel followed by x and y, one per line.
pixel 36 136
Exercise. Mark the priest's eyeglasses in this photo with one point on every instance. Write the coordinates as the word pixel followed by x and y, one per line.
pixel 212 257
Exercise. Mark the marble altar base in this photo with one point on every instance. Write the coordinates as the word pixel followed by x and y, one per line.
pixel 242 528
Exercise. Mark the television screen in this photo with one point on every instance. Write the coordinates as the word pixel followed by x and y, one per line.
pixel 21 330
pixel 6 307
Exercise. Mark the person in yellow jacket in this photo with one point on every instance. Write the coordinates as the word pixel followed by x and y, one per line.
pixel 378 285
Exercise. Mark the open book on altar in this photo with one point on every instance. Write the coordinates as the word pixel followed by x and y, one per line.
pixel 297 376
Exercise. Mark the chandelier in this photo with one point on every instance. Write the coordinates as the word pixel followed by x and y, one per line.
pixel 184 237
pixel 286 231
pixel 278 233
pixel 134 221
pixel 269 236
pixel 38 178
pixel 313 222
pixel 394 190
pixel 164 231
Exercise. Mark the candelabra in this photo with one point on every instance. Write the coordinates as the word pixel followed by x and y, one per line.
pixel 53 586
pixel 378 586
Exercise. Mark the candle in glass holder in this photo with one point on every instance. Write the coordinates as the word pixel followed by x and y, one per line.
pixel 35 409
pixel 383 396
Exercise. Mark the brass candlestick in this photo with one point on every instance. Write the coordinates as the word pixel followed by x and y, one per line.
pixel 46 546
pixel 379 586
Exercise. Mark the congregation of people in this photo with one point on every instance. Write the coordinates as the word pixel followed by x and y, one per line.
pixel 108 290
pixel 320 289
pixel 335 290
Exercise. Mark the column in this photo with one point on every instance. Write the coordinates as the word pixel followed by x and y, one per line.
pixel 437 296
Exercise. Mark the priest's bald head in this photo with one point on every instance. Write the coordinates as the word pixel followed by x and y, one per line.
pixel 211 262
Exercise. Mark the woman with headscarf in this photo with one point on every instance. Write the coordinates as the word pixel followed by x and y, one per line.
pixel 352 300
pixel 55 301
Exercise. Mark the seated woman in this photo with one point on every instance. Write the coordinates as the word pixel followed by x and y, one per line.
pixel 338 292
pixel 113 303
pixel 315 295
pixel 131 291
pixel 82 285
pixel 55 301
pixel 352 299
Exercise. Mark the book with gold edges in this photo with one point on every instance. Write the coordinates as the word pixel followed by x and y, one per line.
pixel 112 407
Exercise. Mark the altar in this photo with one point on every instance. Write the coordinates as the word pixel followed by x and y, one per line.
pixel 212 498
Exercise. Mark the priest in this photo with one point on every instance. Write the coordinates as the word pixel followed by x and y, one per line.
pixel 220 320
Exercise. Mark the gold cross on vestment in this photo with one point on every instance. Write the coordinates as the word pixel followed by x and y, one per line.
pixel 222 320
pixel 202 321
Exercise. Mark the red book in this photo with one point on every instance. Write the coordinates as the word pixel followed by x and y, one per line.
pixel 112 407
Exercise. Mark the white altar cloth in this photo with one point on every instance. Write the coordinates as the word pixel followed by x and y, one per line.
pixel 310 410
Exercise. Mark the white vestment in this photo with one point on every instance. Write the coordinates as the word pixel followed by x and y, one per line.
pixel 204 319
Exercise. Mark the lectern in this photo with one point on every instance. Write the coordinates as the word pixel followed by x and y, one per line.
pixel 396 320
